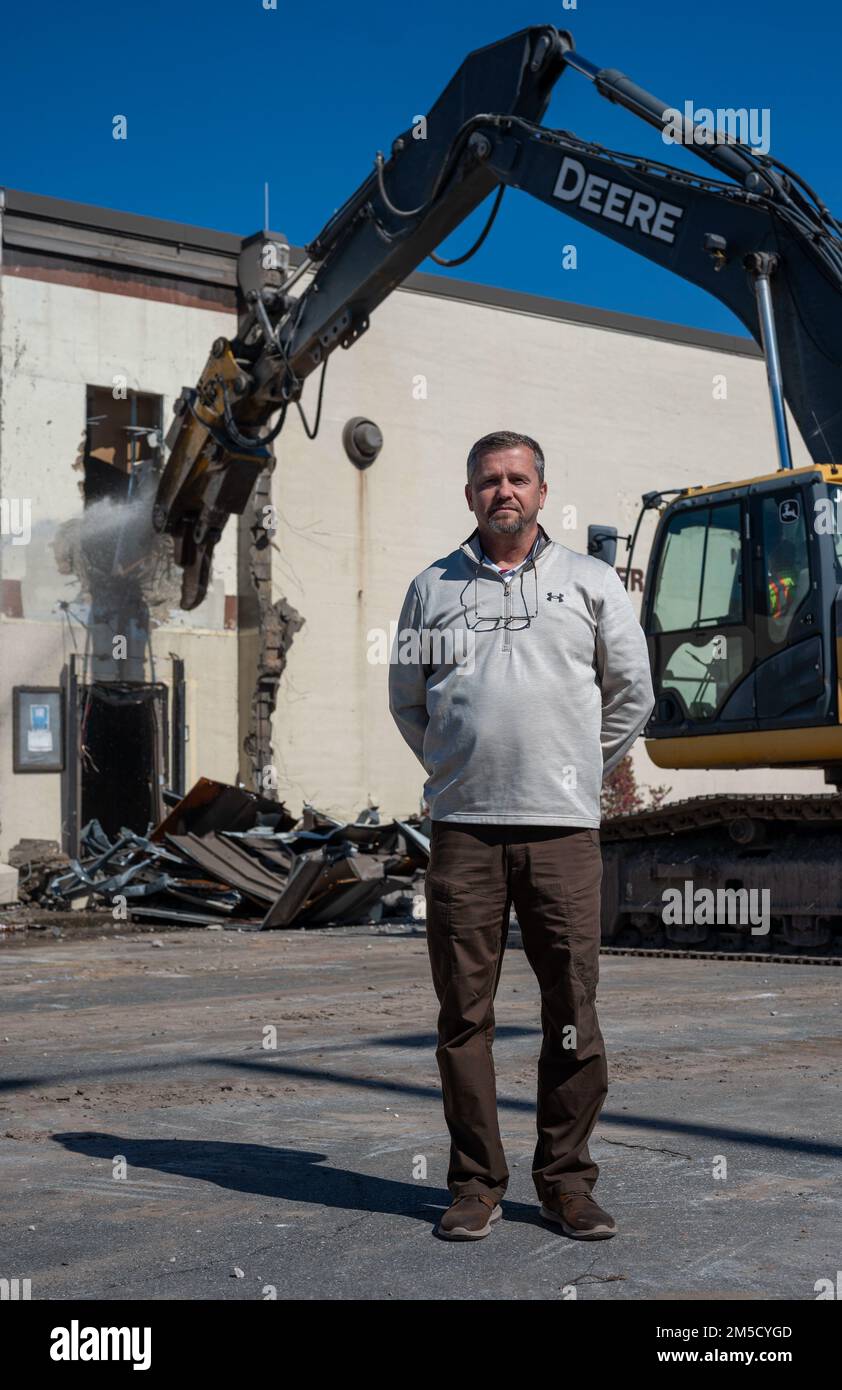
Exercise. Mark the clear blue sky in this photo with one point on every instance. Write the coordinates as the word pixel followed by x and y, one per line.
pixel 222 97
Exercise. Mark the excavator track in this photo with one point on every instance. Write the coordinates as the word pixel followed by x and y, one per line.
pixel 754 878
pixel 701 811
pixel 747 957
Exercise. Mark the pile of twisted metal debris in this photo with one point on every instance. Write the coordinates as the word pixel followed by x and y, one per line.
pixel 226 853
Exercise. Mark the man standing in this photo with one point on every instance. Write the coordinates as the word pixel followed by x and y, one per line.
pixel 527 680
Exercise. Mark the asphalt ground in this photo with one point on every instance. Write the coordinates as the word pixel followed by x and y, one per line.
pixel 238 1115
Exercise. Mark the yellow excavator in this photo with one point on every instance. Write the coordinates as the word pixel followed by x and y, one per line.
pixel 741 605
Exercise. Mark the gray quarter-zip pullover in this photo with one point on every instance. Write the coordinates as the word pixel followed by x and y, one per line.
pixel 517 697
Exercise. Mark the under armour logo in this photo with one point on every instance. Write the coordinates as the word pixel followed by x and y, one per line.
pixel 560 597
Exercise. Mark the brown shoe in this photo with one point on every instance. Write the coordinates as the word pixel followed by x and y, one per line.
pixel 579 1216
pixel 469 1218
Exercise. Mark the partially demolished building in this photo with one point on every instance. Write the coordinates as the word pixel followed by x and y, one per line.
pixel 112 695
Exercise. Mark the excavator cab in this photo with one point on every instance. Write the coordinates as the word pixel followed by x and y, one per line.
pixel 741 610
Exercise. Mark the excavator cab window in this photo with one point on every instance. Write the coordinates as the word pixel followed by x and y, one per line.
pixel 697 616
pixel 787 564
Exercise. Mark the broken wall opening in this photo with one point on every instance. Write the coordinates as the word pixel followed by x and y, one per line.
pixel 119 748
pixel 123 755
pixel 119 432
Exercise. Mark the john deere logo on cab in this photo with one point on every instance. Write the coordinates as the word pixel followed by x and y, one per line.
pixel 616 201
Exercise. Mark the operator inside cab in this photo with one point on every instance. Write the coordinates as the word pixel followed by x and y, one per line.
pixel 782 579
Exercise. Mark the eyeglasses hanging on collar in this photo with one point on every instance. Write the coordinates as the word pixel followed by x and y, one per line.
pixel 524 602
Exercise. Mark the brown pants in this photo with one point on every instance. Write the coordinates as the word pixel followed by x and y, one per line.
pixel 552 875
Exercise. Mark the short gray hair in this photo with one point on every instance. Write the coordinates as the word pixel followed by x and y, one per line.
pixel 505 439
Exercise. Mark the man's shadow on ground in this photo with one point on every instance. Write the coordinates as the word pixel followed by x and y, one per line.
pixel 283 1174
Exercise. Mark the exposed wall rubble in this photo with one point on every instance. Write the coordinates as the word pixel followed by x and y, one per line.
pixel 276 625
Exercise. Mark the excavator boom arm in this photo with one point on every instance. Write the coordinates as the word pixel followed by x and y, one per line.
pixel 482 134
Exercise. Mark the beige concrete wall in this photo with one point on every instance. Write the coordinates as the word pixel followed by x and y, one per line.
pixel 617 415
pixel 55 340
pixel 31 653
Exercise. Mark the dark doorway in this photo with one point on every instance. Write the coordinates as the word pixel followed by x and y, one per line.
pixel 123 755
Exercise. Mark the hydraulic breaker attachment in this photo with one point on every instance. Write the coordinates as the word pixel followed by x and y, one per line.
pixel 211 469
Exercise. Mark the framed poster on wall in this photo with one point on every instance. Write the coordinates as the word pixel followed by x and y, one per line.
pixel 38 726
